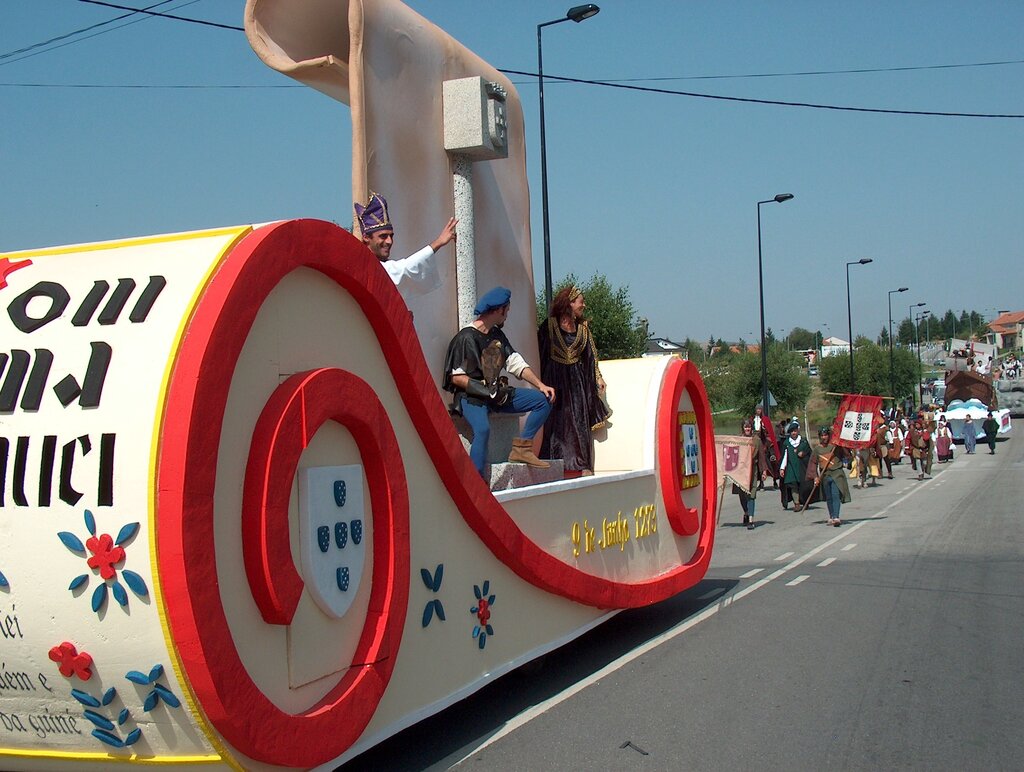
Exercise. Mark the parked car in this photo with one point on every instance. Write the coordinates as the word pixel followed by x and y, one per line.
pixel 812 371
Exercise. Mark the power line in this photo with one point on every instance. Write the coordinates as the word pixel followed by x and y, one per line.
pixel 87 37
pixel 143 86
pixel 164 15
pixel 76 32
pixel 750 100
pixel 799 73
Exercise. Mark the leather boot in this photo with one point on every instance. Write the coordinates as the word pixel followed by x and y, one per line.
pixel 522 453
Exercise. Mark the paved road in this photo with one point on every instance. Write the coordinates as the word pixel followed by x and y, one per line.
pixel 893 642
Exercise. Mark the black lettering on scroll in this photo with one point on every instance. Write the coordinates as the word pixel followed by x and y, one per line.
pixel 18 309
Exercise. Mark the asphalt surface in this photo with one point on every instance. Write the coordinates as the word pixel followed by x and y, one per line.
pixel 892 642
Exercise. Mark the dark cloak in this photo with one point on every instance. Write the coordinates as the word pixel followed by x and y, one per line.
pixel 568 363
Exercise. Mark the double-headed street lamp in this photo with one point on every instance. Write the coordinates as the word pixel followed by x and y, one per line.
pixel 892 374
pixel 780 198
pixel 577 14
pixel 849 316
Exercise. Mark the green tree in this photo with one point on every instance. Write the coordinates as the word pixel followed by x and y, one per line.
pixel 905 332
pixel 871 369
pixel 694 351
pixel 617 331
pixel 883 337
pixel 786 380
pixel 801 339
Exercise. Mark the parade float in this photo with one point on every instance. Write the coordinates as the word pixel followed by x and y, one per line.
pixel 240 527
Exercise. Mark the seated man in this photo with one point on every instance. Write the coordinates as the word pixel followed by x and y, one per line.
pixel 476 356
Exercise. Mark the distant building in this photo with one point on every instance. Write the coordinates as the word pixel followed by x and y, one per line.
pixel 663 346
pixel 1005 330
pixel 832 347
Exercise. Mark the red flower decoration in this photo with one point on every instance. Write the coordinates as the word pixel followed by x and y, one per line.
pixel 70 662
pixel 104 555
pixel 483 611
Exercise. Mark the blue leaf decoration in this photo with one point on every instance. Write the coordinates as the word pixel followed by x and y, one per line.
pixel 487 587
pixel 3 580
pixel 135 582
pixel 427 579
pixel 107 737
pixel 108 695
pixel 151 700
pixel 476 630
pixel 155 672
pixel 477 593
pixel 133 736
pixel 122 716
pixel 99 597
pixel 428 614
pixel 78 581
pixel 90 522
pixel 490 601
pixel 482 639
pixel 167 695
pixel 85 698
pixel 438 574
pixel 98 719
pixel 490 630
pixel 136 677
pixel 439 609
pixel 126 532
pixel 120 595
pixel 71 541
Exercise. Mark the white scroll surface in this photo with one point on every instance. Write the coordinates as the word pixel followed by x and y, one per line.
pixel 98 325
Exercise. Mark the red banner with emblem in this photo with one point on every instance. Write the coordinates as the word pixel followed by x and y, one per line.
pixel 857 420
pixel 735 460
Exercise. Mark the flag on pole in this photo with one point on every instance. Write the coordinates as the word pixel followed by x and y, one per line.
pixel 735 461
pixel 857 420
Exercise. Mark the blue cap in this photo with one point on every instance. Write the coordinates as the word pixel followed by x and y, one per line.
pixel 495 298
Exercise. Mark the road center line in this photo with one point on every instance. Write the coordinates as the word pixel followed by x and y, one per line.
pixel 801 578
pixel 849 546
pixel 826 562
pixel 784 555
pixel 751 572
pixel 539 709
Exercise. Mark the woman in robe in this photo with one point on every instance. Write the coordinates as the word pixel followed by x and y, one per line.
pixel 970 435
pixel 943 441
pixel 568 363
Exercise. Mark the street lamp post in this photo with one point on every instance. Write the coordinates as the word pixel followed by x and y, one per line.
pixel 577 14
pixel 920 371
pixel 849 315
pixel 780 198
pixel 910 311
pixel 892 374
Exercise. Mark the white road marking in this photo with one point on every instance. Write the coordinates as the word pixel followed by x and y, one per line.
pixel 537 710
pixel 784 555
pixel 801 578
pixel 826 562
pixel 849 546
pixel 751 572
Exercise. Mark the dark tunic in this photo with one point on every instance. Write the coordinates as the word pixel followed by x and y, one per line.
pixel 464 352
pixel 568 363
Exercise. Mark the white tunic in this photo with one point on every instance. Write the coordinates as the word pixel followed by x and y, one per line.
pixel 416 274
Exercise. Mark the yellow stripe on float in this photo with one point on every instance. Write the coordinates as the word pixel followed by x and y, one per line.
pixel 141 241
pixel 226 756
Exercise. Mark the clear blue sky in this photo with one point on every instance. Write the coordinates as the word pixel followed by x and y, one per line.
pixel 658 192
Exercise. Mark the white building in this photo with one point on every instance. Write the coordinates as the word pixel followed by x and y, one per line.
pixel 831 347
